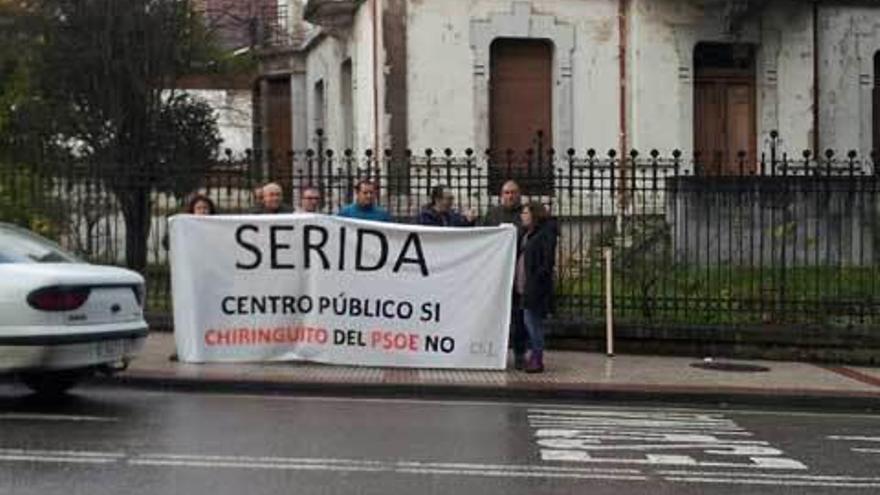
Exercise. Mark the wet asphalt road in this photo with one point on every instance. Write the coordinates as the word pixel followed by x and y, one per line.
pixel 115 440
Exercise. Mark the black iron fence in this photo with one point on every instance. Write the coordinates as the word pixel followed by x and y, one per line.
pixel 776 239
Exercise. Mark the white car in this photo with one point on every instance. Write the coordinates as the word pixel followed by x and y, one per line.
pixel 62 319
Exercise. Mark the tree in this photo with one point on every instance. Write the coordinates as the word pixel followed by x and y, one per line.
pixel 18 42
pixel 102 98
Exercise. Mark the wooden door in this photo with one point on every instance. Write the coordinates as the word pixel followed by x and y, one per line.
pixel 279 130
pixel 709 125
pixel 521 117
pixel 724 125
pixel 740 131
pixel 724 108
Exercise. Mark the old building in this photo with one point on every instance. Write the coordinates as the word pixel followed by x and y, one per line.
pixel 714 76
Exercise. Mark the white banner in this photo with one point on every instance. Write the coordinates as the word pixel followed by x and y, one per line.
pixel 340 291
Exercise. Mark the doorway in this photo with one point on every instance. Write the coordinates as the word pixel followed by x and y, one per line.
pixel 521 94
pixel 724 109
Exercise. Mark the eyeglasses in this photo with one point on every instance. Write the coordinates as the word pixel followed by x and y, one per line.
pixel 312 198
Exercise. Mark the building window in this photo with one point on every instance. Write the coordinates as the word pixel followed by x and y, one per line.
pixel 319 107
pixel 520 109
pixel 725 119
pixel 346 96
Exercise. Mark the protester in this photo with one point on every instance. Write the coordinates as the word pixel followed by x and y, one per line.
pixel 272 200
pixel 509 212
pixel 364 207
pixel 200 204
pixel 310 200
pixel 440 213
pixel 533 283
pixel 509 209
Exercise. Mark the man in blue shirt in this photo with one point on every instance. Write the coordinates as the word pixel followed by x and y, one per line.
pixel 364 206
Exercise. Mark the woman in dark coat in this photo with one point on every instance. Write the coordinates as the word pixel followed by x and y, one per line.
pixel 534 277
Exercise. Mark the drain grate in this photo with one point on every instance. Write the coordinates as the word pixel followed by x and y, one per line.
pixel 734 367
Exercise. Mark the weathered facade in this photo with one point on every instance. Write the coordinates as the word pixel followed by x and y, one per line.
pixel 714 76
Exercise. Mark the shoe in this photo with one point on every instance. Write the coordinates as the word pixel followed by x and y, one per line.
pixel 519 361
pixel 536 362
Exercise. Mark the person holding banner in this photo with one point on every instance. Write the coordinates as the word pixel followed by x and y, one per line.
pixel 310 200
pixel 439 212
pixel 509 212
pixel 364 206
pixel 198 204
pixel 272 200
pixel 533 280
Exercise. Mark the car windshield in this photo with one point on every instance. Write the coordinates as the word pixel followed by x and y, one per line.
pixel 18 245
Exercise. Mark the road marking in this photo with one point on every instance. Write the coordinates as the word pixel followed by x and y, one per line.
pixel 407 467
pixel 53 417
pixel 445 468
pixel 740 474
pixel 60 456
pixel 52 459
pixel 320 464
pixel 518 474
pixel 62 453
pixel 854 438
pixel 668 460
pixel 250 465
pixel 866 451
pixel 633 432
pixel 646 438
pixel 752 481
pixel 372 463
pixel 634 414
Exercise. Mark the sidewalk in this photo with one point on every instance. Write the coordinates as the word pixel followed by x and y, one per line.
pixel 569 376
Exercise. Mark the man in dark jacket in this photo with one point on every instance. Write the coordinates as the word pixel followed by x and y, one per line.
pixel 440 213
pixel 508 210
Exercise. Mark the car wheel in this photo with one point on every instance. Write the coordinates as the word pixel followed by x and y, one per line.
pixel 50 383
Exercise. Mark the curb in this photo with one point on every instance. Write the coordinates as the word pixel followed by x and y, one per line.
pixel 581 393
